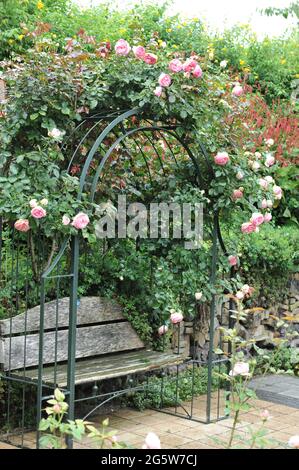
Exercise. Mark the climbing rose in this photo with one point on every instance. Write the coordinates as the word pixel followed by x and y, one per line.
pixel 66 220
pixel 198 295
pixel 176 317
pixel 240 295
pixel 221 158
pixel 158 91
pixel 248 227
pixel 240 368
pixel 264 204
pixel 246 289
pixel 277 192
pixel 269 179
pixel 162 330
pixel 237 194
pixel 197 72
pixel 255 166
pixel 257 155
pixel 237 90
pixel 257 218
pixel 22 225
pixel 263 183
pixel 294 442
pixel 38 212
pixel 269 203
pixel 122 47
pixel 267 217
pixel 54 133
pixel 189 65
pixel 240 175
pixel 150 59
pixel 265 415
pixel 175 65
pixel 139 52
pixel 57 408
pixel 152 441
pixel 80 220
pixel 44 202
pixel 164 80
pixel 233 260
pixel 33 203
pixel 270 160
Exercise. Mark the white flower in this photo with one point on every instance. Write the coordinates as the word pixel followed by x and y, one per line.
pixel 240 295
pixel 44 202
pixel 255 166
pixel 240 175
pixel 33 203
pixel 198 295
pixel 258 155
pixel 223 64
pixel 269 142
pixel 55 133
pixel 269 179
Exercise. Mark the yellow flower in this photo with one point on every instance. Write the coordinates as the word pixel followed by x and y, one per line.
pixel 242 62
pixel 20 37
pixel 246 69
pixel 179 26
pixel 40 5
pixel 10 41
pixel 283 61
pixel 297 75
pixel 175 46
pixel 168 30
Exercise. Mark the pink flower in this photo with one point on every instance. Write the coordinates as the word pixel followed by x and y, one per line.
pixel 246 289
pixel 176 317
pixel 33 203
pixel 294 442
pixel 277 192
pixel 270 160
pixel 152 441
pixel 265 415
pixel 233 260
pixel 122 47
pixel 80 220
pixel 197 72
pixel 22 225
pixel 264 204
pixel 162 330
pixel 158 91
pixel 237 194
pixel 240 295
pixel 237 90
pixel 150 59
pixel 164 80
pixel 139 52
pixel 175 65
pixel 263 183
pixel 248 227
pixel 221 158
pixel 267 217
pixel 240 368
pixel 66 220
pixel 38 212
pixel 189 65
pixel 257 218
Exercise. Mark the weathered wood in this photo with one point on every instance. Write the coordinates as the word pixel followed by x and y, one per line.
pixel 91 341
pixel 106 367
pixel 90 310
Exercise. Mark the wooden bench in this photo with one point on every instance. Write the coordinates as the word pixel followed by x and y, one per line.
pixel 106 344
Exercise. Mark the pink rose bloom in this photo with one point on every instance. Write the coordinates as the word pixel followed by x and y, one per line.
pixel 265 415
pixel 263 183
pixel 197 72
pixel 221 158
pixel 237 90
pixel 233 260
pixel 139 52
pixel 158 91
pixel 38 212
pixel 264 204
pixel 246 289
pixel 189 65
pixel 267 217
pixel 237 194
pixel 122 47
pixel 240 295
pixel 277 192
pixel 240 368
pixel 294 442
pixel 175 65
pixel 162 330
pixel 152 441
pixel 33 203
pixel 257 218
pixel 80 220
pixel 164 80
pixel 248 227
pixel 66 220
pixel 176 317
pixel 150 59
pixel 22 225
pixel 270 160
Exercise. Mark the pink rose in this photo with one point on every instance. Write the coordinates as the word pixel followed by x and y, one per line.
pixel 122 47
pixel 33 203
pixel 139 52
pixel 164 80
pixel 233 260
pixel 294 442
pixel 240 295
pixel 152 441
pixel 246 289
pixel 150 59
pixel 248 227
pixel 80 220
pixel 221 158
pixel 277 192
pixel 158 91
pixel 175 65
pixel 189 65
pixel 38 212
pixel 270 160
pixel 176 317
pixel 265 415
pixel 237 194
pixel 240 368
pixel 263 183
pixel 237 90
pixel 66 220
pixel 22 225
pixel 264 204
pixel 162 330
pixel 267 217
pixel 197 72
pixel 257 219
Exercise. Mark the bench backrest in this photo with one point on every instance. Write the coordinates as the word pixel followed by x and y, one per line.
pixel 101 329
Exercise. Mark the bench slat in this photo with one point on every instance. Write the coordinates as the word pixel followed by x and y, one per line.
pixel 91 341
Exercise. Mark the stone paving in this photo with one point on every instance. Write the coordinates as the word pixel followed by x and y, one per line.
pixel 282 389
